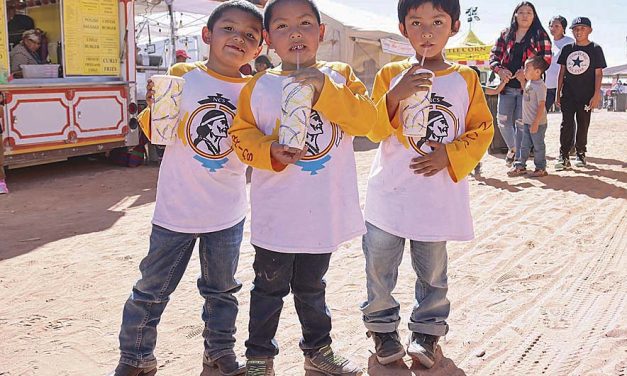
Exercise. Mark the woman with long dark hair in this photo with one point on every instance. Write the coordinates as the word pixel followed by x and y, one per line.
pixel 524 38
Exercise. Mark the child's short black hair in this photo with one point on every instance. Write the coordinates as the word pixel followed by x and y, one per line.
pixel 267 11
pixel 561 20
pixel 538 62
pixel 242 5
pixel 450 7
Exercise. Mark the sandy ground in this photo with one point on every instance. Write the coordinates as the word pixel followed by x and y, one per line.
pixel 542 289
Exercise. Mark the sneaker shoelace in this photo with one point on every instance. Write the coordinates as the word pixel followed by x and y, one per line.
pixel 330 361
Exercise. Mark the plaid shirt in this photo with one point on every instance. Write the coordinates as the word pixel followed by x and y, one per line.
pixel 539 44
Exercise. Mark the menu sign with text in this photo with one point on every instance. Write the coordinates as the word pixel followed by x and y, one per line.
pixel 4 48
pixel 92 38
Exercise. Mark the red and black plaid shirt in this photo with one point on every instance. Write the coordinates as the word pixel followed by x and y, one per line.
pixel 539 44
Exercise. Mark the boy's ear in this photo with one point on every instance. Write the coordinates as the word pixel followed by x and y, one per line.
pixel 455 28
pixel 206 35
pixel 266 37
pixel 323 29
pixel 401 28
pixel 259 49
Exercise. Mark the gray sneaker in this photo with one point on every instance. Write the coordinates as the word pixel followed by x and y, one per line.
pixel 563 163
pixel 226 365
pixel 260 367
pixel 422 347
pixel 580 160
pixel 388 346
pixel 330 364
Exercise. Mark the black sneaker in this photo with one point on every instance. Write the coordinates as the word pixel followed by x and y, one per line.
pixel 330 364
pixel 260 367
pixel 563 163
pixel 388 346
pixel 580 160
pixel 422 347
pixel 226 365
pixel 126 370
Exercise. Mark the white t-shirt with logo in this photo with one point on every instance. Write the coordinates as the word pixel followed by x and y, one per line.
pixel 552 74
pixel 202 183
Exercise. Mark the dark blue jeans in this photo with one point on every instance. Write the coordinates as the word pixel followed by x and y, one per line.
pixel 275 274
pixel 162 270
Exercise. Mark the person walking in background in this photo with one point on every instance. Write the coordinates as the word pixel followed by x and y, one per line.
pixel 262 62
pixel 182 56
pixel 578 91
pixel 557 27
pixel 525 37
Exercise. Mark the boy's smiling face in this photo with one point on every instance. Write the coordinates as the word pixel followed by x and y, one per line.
pixel 581 33
pixel 428 28
pixel 234 40
pixel 294 33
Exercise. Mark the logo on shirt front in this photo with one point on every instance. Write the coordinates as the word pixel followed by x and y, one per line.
pixel 577 62
pixel 441 119
pixel 207 131
pixel 319 143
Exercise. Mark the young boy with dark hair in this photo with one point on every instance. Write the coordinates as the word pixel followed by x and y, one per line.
pixel 417 188
pixel 578 90
pixel 533 127
pixel 201 195
pixel 304 203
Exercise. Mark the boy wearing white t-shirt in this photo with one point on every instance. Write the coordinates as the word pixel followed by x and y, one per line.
pixel 417 188
pixel 201 194
pixel 304 203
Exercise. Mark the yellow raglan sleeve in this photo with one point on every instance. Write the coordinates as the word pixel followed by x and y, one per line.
pixel 176 70
pixel 250 144
pixel 466 151
pixel 347 105
pixel 384 127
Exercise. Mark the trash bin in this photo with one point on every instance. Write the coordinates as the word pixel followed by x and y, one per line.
pixel 620 102
pixel 498 145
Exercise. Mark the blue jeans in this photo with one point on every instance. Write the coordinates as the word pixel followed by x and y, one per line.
pixel 537 141
pixel 275 274
pixel 509 111
pixel 384 253
pixel 162 270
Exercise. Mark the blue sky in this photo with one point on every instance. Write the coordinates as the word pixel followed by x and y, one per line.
pixel 609 19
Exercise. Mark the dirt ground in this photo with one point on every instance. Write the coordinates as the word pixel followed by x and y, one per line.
pixel 542 290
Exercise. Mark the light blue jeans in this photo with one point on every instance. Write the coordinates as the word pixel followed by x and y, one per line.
pixel 384 253
pixel 532 139
pixel 162 270
pixel 509 111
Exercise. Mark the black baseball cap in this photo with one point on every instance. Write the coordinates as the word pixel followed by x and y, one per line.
pixel 581 21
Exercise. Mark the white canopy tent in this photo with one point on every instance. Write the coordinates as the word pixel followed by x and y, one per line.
pixel 360 38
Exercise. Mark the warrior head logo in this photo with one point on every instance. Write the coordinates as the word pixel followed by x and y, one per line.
pixel 437 128
pixel 212 129
pixel 313 131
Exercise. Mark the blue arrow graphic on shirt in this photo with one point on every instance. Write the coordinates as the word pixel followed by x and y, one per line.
pixel 314 166
pixel 212 165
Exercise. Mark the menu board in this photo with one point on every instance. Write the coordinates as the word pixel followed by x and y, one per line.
pixel 91 37
pixel 4 48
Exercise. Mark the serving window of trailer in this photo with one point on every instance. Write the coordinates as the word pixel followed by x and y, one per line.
pixel 60 38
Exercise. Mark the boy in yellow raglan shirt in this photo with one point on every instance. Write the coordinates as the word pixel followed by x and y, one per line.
pixel 201 194
pixel 304 203
pixel 417 188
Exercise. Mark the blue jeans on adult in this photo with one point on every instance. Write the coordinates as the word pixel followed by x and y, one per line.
pixel 537 141
pixel 384 253
pixel 275 274
pixel 509 111
pixel 162 270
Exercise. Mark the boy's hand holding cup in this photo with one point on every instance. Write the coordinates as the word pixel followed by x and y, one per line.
pixel 164 98
pixel 414 92
pixel 297 97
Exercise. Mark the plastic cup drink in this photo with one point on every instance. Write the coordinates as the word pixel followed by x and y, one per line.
pixel 415 111
pixel 296 101
pixel 166 108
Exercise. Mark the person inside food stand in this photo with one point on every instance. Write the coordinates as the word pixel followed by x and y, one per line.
pixel 25 53
pixel 17 23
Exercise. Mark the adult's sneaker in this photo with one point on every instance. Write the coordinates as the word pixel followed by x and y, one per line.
pixel 563 163
pixel 388 346
pixel 126 370
pixel 509 158
pixel 328 363
pixel 580 160
pixel 422 348
pixel 260 367
pixel 226 365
